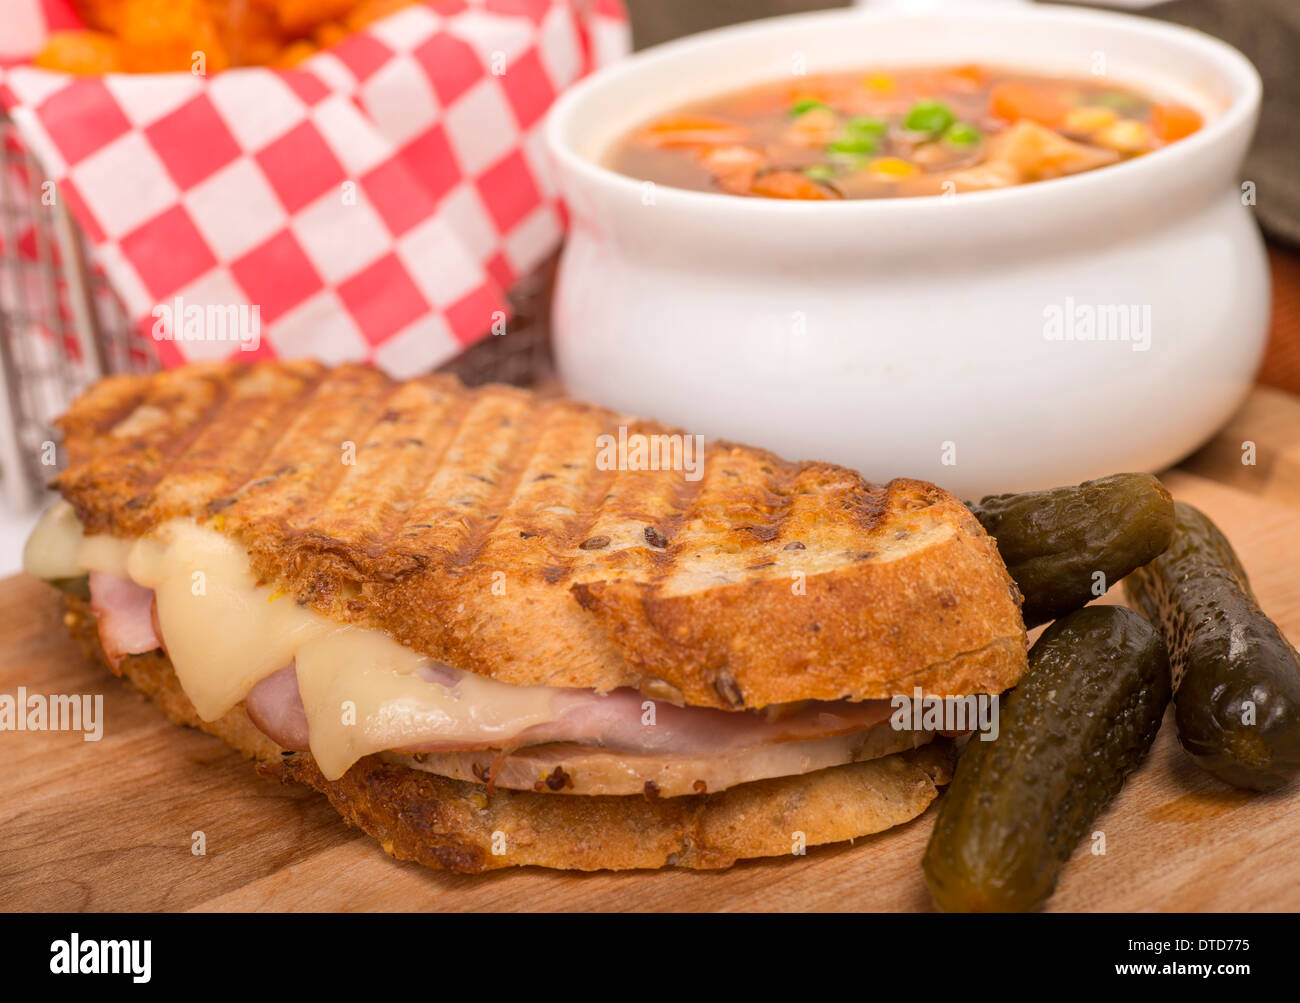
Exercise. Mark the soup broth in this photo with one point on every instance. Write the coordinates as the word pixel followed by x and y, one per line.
pixel 899 133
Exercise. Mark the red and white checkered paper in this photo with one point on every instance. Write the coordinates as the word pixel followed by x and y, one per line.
pixel 375 202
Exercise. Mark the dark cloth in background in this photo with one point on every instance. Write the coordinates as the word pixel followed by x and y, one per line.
pixel 1267 31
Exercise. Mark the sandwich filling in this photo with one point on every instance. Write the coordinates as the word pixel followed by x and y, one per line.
pixel 345 692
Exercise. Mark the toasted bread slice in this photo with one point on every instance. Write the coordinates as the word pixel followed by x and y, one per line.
pixel 481 527
pixel 454 824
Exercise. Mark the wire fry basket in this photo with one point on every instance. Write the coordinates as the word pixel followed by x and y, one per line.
pixel 62 326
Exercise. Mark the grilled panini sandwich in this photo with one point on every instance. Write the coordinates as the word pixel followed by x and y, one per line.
pixel 488 646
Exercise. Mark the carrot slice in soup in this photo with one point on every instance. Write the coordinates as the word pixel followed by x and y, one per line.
pixel 1015 101
pixel 966 79
pixel 1174 121
pixel 693 130
pixel 788 185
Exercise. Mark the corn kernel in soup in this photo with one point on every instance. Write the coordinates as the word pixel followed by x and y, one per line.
pixel 890 133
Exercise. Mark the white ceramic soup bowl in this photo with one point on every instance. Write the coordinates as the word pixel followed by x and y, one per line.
pixel 946 337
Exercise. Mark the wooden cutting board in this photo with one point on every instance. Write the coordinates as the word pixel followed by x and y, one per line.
pixel 108 825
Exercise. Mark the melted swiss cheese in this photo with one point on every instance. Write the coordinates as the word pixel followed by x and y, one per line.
pixel 361 689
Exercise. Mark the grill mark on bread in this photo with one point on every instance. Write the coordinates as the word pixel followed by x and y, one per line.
pixel 686 497
pixel 446 428
pixel 179 445
pixel 308 448
pixel 374 499
pixel 328 573
pixel 115 397
pixel 300 468
pixel 437 522
pixel 332 513
pixel 716 512
pixel 227 451
pixel 133 461
pixel 569 435
pixel 506 498
pixel 461 508
pixel 602 486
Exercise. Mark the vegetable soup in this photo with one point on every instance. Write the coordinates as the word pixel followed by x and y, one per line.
pixel 899 133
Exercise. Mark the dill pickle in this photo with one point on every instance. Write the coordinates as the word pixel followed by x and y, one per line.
pixel 1236 677
pixel 1078 724
pixel 1055 542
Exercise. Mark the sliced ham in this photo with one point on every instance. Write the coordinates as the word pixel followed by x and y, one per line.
pixel 276 708
pixel 124 613
pixel 563 768
pixel 622 721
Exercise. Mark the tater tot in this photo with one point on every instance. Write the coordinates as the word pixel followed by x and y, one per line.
pixel 84 52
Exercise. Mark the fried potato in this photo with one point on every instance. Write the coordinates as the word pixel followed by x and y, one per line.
pixel 157 36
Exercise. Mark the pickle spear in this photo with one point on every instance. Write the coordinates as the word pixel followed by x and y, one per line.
pixel 1055 543
pixel 1077 725
pixel 1236 678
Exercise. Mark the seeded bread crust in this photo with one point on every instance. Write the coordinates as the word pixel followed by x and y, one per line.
pixel 485 528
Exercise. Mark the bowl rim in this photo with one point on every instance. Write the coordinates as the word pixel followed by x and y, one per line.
pixel 1237 67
